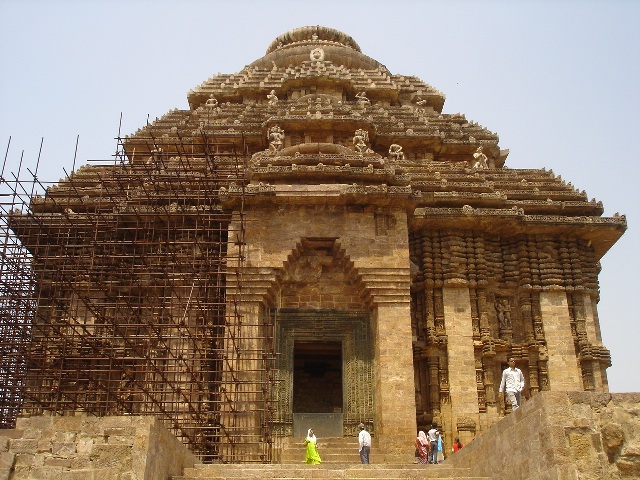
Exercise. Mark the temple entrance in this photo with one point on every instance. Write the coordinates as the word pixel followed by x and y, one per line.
pixel 317 377
pixel 323 371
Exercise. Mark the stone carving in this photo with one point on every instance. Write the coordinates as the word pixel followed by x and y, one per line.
pixel 212 102
pixel 466 424
pixel 361 141
pixel 504 312
pixel 275 137
pixel 273 99
pixel 362 100
pixel 395 152
pixel 156 156
pixel 480 160
pixel 317 55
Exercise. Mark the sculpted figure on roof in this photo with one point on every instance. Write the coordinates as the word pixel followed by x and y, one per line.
pixel 362 101
pixel 275 137
pixel 480 160
pixel 395 152
pixel 361 141
pixel 273 99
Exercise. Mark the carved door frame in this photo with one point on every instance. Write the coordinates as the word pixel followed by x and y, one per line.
pixel 353 329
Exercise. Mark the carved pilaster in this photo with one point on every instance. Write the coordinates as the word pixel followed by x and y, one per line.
pixel 483 313
pixel 475 316
pixel 538 326
pixel 434 386
pixel 524 264
pixel 482 406
pixel 430 312
pixel 544 376
pixel 439 312
pixel 533 385
pixel 443 371
pixel 587 375
pixel 489 381
pixel 456 267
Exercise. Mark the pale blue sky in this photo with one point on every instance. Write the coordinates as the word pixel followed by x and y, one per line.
pixel 559 81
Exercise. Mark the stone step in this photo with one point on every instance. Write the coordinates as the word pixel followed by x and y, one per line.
pixel 331 450
pixel 323 471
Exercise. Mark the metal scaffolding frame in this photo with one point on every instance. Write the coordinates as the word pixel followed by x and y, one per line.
pixel 114 295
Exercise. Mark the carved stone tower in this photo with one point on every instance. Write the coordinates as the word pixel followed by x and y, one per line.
pixel 386 261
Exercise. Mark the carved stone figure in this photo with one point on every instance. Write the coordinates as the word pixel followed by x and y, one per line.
pixel 361 141
pixel 212 102
pixel 275 137
pixel 156 155
pixel 504 312
pixel 395 152
pixel 362 100
pixel 480 160
pixel 273 99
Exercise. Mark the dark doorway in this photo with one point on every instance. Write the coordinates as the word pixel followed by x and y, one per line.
pixel 317 377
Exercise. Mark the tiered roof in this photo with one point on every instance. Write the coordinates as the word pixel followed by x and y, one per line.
pixel 316 87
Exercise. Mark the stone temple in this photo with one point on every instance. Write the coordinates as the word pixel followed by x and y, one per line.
pixel 313 243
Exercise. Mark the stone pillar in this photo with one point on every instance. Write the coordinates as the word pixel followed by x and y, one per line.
pixel 592 328
pixel 563 368
pixel 461 359
pixel 394 377
pixel 242 383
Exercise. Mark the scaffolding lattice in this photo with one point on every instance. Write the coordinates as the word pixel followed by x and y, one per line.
pixel 114 296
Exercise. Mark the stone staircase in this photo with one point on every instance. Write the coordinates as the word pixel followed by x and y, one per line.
pixel 340 460
pixel 332 450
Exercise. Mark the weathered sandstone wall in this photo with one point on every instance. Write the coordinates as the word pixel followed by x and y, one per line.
pixel 561 435
pixel 83 448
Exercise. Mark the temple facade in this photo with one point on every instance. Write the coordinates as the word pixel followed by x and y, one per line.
pixel 312 244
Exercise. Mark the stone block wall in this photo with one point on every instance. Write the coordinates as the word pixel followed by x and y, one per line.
pixel 88 448
pixel 561 436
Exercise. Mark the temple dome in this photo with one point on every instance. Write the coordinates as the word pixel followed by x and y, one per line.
pixel 303 34
pixel 295 46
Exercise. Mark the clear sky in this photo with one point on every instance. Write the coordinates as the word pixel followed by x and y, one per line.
pixel 559 81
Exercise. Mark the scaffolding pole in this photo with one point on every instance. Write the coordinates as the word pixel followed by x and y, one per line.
pixel 114 296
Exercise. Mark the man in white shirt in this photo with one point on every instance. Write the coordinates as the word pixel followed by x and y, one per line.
pixel 513 383
pixel 364 444
pixel 432 436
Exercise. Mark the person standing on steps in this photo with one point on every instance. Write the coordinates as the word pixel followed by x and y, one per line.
pixel 364 444
pixel 312 456
pixel 440 455
pixel 422 448
pixel 513 383
pixel 432 435
pixel 457 445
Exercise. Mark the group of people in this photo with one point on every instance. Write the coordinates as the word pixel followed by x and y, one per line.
pixel 429 446
pixel 312 456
